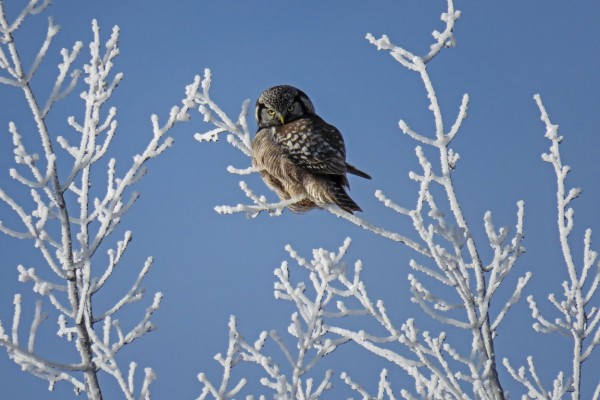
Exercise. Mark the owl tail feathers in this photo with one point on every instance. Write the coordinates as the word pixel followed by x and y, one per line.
pixel 355 171
pixel 342 200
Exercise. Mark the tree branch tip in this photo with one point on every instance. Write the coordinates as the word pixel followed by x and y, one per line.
pixel 224 209
pixel 206 137
pixel 53 28
pixel 169 141
pixel 232 321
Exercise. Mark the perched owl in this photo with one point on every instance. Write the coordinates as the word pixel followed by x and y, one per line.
pixel 299 154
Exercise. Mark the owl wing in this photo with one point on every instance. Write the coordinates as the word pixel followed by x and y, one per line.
pixel 314 145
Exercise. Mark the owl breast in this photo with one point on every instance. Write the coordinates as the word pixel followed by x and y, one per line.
pixel 277 169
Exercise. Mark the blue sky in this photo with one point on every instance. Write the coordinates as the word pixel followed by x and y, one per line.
pixel 210 266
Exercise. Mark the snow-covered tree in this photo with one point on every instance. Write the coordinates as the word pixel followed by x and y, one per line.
pixel 73 213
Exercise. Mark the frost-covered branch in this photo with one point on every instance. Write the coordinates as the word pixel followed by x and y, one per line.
pixel 384 387
pixel 313 341
pixel 449 242
pixel 72 216
pixel 333 292
pixel 579 318
pixel 435 367
pixel 238 135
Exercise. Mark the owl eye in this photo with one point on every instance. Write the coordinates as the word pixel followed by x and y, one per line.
pixel 271 112
pixel 291 108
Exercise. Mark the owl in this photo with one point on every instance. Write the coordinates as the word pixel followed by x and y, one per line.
pixel 298 154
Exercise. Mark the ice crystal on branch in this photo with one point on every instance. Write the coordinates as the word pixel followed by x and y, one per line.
pixel 72 217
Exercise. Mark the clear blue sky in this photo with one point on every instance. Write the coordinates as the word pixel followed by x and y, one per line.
pixel 210 266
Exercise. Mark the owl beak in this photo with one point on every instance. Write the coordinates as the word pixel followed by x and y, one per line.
pixel 281 118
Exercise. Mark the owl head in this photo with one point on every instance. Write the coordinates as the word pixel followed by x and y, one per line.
pixel 280 105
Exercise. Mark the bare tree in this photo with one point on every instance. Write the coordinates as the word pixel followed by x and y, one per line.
pixel 71 216
pixel 334 291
